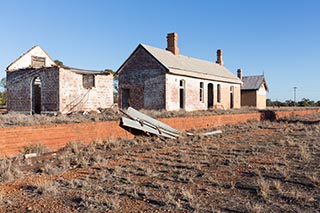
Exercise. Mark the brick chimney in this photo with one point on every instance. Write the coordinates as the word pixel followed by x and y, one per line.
pixel 219 57
pixel 172 43
pixel 239 72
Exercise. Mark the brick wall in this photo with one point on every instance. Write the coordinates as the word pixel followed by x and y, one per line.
pixel 140 67
pixel 74 97
pixel 19 87
pixel 56 136
pixel 12 140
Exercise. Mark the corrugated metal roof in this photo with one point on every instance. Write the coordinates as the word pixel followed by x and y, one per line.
pixel 253 82
pixel 183 65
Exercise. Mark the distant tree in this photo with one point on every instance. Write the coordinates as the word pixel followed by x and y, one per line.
pixel 3 98
pixel 115 85
pixel 58 63
pixel 3 83
pixel 290 103
pixel 269 102
pixel 3 91
pixel 318 103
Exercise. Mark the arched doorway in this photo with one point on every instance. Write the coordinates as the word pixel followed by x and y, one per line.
pixel 36 95
pixel 210 95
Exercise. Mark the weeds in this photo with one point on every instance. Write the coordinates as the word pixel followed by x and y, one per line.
pixel 264 187
pixel 304 153
pixel 35 148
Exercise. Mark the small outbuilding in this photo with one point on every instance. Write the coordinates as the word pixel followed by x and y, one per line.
pixel 253 90
pixel 153 78
pixel 35 84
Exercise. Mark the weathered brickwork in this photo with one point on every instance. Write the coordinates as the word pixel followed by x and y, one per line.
pixel 12 140
pixel 75 97
pixel 151 87
pixel 144 77
pixel 61 91
pixel 19 89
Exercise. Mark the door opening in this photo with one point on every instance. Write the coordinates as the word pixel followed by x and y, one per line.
pixel 231 97
pixel 36 96
pixel 210 95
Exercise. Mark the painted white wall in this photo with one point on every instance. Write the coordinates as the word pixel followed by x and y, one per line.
pixel 25 60
pixel 192 93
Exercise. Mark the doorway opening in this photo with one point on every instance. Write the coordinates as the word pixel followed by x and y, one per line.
pixel 210 95
pixel 231 97
pixel 36 95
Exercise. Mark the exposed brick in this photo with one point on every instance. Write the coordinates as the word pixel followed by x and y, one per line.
pixel 61 90
pixel 151 86
pixel 55 136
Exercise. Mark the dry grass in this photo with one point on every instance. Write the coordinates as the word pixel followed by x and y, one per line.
pixel 35 148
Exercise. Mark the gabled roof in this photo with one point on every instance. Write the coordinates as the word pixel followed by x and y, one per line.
pixel 253 82
pixel 34 48
pixel 183 65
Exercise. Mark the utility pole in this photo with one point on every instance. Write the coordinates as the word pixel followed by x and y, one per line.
pixel 295 94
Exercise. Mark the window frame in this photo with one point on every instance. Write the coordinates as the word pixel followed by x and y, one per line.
pixel 218 93
pixel 87 82
pixel 201 92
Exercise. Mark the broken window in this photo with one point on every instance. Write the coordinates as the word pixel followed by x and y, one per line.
pixel 38 62
pixel 201 92
pixel 218 93
pixel 88 81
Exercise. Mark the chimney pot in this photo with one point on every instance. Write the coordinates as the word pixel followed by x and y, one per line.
pixel 239 72
pixel 219 57
pixel 172 43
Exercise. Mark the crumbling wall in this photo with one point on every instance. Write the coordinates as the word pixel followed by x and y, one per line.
pixel 75 97
pixel 19 89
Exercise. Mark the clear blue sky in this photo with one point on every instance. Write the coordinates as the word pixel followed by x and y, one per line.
pixel 278 37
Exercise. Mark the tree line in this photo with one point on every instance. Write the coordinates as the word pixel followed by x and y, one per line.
pixel 305 102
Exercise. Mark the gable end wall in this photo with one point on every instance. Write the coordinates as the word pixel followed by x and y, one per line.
pixel 144 77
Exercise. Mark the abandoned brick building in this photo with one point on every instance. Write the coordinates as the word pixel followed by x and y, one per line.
pixel 253 90
pixel 152 78
pixel 35 84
